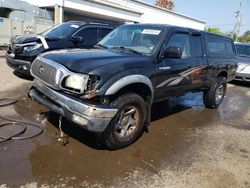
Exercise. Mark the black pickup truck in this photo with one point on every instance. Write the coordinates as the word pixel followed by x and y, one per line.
pixel 109 90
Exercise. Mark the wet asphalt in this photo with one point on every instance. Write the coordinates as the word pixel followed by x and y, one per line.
pixel 186 145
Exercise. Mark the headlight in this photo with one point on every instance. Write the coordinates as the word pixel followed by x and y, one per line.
pixel 33 47
pixel 77 82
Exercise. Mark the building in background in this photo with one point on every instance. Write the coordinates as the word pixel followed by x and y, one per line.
pixel 20 17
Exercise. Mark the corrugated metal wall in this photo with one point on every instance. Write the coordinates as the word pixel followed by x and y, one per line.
pixel 19 17
pixel 10 27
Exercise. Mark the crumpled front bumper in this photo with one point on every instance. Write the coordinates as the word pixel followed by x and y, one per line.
pixel 90 116
pixel 18 65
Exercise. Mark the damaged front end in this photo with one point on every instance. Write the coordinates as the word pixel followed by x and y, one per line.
pixel 68 94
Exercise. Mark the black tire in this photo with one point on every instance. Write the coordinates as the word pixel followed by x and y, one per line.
pixel 113 136
pixel 215 95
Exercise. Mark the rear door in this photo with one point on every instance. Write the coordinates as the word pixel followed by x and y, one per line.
pixel 221 56
pixel 198 65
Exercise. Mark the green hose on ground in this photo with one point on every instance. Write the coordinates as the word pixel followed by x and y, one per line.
pixel 14 122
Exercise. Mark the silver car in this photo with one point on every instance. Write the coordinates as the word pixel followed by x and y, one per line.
pixel 243 70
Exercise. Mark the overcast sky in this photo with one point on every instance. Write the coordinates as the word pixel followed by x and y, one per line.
pixel 216 13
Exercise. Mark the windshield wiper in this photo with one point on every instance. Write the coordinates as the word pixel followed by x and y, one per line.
pixel 127 49
pixel 102 46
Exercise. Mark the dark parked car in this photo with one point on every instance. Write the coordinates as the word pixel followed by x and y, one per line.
pixel 110 90
pixel 23 49
pixel 243 54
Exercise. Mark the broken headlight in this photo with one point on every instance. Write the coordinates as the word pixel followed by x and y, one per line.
pixel 80 83
pixel 93 82
pixel 77 83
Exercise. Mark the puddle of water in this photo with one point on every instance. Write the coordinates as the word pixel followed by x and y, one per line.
pixel 45 161
pixel 191 100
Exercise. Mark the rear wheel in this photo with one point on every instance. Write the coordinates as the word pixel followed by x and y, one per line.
pixel 128 123
pixel 215 95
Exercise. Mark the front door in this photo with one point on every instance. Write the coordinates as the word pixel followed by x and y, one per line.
pixel 89 37
pixel 173 73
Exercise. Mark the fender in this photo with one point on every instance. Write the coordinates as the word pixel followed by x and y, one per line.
pixel 127 80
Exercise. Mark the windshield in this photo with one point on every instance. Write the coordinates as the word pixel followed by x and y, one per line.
pixel 60 31
pixel 243 50
pixel 137 38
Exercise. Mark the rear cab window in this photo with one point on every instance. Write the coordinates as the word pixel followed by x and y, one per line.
pixel 218 46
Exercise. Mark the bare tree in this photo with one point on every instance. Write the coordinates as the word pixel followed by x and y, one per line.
pixel 168 4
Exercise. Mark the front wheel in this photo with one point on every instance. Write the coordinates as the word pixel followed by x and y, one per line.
pixel 128 123
pixel 215 95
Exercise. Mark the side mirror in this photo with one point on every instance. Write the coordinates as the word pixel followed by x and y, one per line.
pixel 77 39
pixel 172 52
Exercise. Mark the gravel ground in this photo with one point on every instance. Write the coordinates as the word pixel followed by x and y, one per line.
pixel 8 80
pixel 2 53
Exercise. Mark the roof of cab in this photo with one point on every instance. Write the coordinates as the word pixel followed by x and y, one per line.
pixel 83 23
pixel 165 26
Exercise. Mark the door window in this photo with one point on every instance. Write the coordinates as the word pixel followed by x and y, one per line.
pixel 196 46
pixel 103 32
pixel 180 40
pixel 89 36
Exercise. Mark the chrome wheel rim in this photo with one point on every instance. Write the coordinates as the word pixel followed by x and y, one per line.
pixel 127 122
pixel 219 93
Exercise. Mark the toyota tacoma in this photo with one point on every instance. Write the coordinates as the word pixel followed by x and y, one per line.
pixel 109 90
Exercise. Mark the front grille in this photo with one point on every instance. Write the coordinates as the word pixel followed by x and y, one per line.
pixel 45 72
